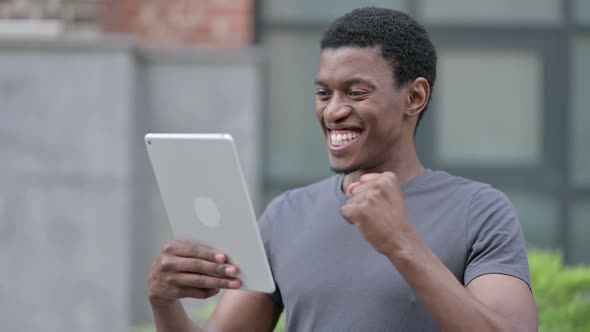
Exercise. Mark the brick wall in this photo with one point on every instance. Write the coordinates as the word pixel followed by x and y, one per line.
pixel 225 23
pixel 73 12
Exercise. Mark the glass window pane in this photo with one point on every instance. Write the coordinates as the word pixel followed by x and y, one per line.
pixel 538 216
pixel 581 11
pixel 497 11
pixel 488 108
pixel 580 233
pixel 580 119
pixel 320 9
pixel 295 145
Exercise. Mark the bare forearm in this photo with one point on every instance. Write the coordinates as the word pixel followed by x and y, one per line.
pixel 451 305
pixel 172 317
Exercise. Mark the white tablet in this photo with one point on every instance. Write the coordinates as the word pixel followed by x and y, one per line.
pixel 206 200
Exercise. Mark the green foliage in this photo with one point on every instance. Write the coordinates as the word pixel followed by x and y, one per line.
pixel 205 312
pixel 143 328
pixel 562 295
pixel 202 315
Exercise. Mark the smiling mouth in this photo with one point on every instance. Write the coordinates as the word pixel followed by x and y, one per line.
pixel 340 138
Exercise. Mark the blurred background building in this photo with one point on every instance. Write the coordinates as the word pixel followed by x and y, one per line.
pixel 82 81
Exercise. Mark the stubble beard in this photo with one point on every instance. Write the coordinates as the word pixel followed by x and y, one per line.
pixel 343 171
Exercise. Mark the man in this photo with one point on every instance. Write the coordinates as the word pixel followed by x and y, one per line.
pixel 384 245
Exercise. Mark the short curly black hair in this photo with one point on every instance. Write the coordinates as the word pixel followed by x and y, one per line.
pixel 402 40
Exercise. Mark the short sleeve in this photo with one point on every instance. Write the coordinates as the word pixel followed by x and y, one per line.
pixel 266 225
pixel 495 239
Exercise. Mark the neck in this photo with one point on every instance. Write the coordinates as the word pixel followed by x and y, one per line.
pixel 405 165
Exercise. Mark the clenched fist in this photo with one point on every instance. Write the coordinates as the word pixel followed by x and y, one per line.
pixel 377 208
pixel 188 269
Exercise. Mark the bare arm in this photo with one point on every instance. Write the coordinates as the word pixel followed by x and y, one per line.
pixel 171 316
pixel 490 302
pixel 244 311
pixel 236 311
pixel 186 269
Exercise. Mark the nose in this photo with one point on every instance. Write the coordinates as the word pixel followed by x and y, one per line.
pixel 336 110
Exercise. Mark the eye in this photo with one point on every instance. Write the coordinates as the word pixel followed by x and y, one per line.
pixel 357 93
pixel 322 94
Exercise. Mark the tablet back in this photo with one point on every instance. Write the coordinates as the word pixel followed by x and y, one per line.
pixel 205 196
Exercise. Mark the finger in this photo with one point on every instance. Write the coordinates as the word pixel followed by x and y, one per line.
pixel 191 249
pixel 204 281
pixel 390 175
pixel 351 187
pixel 361 193
pixel 382 183
pixel 369 177
pixel 201 266
pixel 198 293
pixel 362 187
pixel 350 212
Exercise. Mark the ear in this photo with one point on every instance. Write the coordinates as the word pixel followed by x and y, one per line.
pixel 418 93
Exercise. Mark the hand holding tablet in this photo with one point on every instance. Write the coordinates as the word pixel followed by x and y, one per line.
pixel 208 205
pixel 187 269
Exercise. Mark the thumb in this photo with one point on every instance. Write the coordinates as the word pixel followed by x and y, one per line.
pixel 351 188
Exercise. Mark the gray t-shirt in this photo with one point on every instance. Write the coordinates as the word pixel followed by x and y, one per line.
pixel 329 278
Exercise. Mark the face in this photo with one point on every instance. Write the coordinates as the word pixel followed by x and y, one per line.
pixel 360 109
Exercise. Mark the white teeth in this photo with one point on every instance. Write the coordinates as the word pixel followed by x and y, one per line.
pixel 343 138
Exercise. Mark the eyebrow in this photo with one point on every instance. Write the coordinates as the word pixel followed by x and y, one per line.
pixel 318 82
pixel 348 82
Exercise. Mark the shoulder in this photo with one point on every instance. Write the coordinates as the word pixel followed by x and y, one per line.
pixel 482 196
pixel 489 213
pixel 478 200
pixel 440 186
pixel 489 198
pixel 456 183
